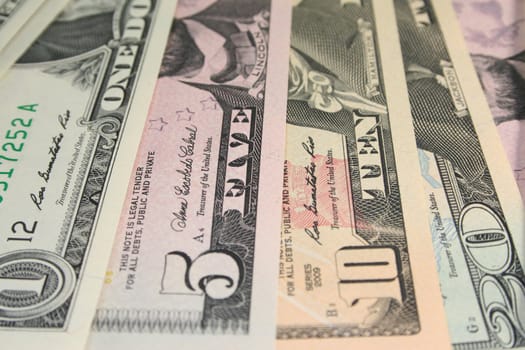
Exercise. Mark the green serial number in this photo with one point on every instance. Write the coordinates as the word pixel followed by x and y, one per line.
pixel 12 146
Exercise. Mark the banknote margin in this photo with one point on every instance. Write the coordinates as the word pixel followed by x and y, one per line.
pixel 508 193
pixel 265 276
pixel 344 329
pixel 18 19
pixel 470 86
pixel 29 32
pixel 434 331
pixel 89 287
pixel 504 182
pixel 263 311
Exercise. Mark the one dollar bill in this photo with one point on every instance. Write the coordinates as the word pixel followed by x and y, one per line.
pixel 473 203
pixel 66 107
pixel 354 264
pixel 194 265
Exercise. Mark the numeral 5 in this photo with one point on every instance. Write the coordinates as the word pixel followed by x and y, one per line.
pixel 19 133
pixel 218 274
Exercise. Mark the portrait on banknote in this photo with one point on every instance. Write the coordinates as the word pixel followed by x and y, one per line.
pixel 212 46
pixel 82 26
pixel 497 51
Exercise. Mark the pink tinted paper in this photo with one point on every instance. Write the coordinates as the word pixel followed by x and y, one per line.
pixel 495 34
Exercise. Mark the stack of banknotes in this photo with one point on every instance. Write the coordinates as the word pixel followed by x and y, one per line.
pixel 262 174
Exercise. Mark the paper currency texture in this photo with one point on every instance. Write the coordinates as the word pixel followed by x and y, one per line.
pixel 13 15
pixel 495 35
pixel 354 268
pixel 66 106
pixel 195 260
pixel 474 208
pixel 21 22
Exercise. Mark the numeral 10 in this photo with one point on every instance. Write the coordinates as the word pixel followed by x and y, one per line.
pixel 368 272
